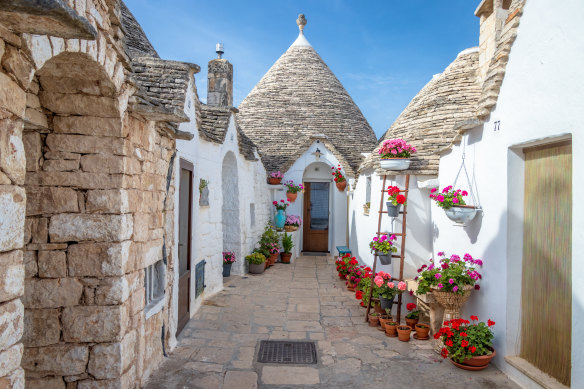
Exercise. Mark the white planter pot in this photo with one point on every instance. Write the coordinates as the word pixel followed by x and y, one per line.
pixel 395 164
pixel 461 215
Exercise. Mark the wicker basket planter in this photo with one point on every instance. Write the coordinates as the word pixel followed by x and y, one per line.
pixel 452 302
pixel 289 228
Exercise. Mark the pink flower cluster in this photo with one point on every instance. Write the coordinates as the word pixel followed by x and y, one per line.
pixel 277 174
pixel 449 197
pixel 293 220
pixel 396 148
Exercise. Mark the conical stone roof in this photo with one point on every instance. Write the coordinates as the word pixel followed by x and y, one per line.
pixel 298 99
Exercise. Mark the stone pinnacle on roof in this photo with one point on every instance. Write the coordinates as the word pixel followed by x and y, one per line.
pixel 301 21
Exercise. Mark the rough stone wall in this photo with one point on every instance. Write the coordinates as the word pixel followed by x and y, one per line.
pixel 220 83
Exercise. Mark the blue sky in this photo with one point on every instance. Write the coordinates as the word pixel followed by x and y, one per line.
pixel 383 51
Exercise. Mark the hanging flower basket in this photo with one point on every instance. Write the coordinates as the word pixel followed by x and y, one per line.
pixel 292 191
pixel 452 201
pixel 341 186
pixel 392 210
pixel 461 214
pixel 385 259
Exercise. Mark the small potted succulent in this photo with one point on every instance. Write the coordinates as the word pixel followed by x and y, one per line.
pixel 469 345
pixel 452 201
pixel 373 319
pixel 287 245
pixel 256 262
pixel 413 315
pixel 228 259
pixel 280 218
pixel 383 247
pixel 394 201
pixel 292 223
pixel 339 179
pixel 395 154
pixel 275 178
pixel 292 190
pixel 404 332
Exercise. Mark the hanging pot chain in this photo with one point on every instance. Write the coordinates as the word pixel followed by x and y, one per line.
pixel 469 182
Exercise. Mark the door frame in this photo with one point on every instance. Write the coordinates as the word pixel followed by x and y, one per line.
pixel 305 230
pixel 182 321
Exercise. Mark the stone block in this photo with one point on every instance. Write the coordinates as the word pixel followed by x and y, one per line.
pixel 12 96
pixel 27 231
pixel 12 204
pixel 50 200
pixel 11 323
pixel 82 227
pixel 12 154
pixel 32 101
pixel 41 327
pixel 141 227
pixel 45 383
pixel 87 144
pixel 147 253
pixel 98 259
pixel 71 85
pixel 58 165
pixel 62 155
pixel 10 359
pixel 35 119
pixel 32 146
pixel 30 264
pixel 39 229
pixel 89 125
pixel 112 291
pixel 11 275
pixel 52 293
pixel 240 380
pixel 107 201
pixel 14 380
pixel 290 375
pixel 78 104
pixel 55 360
pixel 102 163
pixel 18 65
pixel 92 324
pixel 77 179
pixel 109 361
pixel 52 264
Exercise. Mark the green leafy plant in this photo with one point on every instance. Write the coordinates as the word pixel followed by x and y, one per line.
pixel 268 239
pixel 463 340
pixel 287 243
pixel 383 244
pixel 203 184
pixel 256 258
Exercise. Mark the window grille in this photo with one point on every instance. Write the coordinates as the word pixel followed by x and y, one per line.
pixel 154 280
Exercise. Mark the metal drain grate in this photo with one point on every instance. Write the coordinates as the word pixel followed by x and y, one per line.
pixel 279 351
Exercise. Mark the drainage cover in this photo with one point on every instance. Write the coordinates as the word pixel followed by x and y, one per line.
pixel 279 351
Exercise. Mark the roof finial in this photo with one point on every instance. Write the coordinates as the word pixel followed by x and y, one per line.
pixel 301 21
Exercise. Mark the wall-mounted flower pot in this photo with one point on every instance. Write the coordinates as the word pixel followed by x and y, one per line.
pixel 274 181
pixel 341 186
pixel 257 268
pixel 395 163
pixel 392 210
pixel 291 196
pixel 461 214
pixel 227 269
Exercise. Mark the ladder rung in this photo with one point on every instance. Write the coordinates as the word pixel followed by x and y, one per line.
pixel 394 256
pixel 402 212
pixel 390 233
pixel 401 191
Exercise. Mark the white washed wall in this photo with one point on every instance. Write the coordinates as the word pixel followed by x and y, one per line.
pixel 540 100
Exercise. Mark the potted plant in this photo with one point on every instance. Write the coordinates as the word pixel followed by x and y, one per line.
pixel 287 245
pixel 394 201
pixel 366 208
pixel 383 247
pixel 274 250
pixel 275 178
pixel 256 262
pixel 373 319
pixel 452 201
pixel 292 223
pixel 469 345
pixel 339 179
pixel 228 259
pixel 354 277
pixel 413 315
pixel 451 281
pixel 293 189
pixel 395 154
pixel 387 289
pixel 385 318
pixel 422 331
pixel 280 218
pixel 403 333
pixel 391 329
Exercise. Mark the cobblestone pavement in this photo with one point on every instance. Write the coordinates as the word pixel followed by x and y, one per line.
pixel 302 301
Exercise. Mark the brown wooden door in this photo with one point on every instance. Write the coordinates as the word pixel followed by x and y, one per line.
pixel 184 243
pixel 316 216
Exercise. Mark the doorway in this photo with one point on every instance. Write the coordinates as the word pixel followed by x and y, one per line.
pixel 184 243
pixel 316 216
pixel 546 287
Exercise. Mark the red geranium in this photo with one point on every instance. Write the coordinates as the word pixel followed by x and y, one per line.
pixel 359 295
pixel 463 340
pixel 394 195
pixel 400 199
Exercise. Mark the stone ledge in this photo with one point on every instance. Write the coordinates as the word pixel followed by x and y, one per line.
pixel 534 373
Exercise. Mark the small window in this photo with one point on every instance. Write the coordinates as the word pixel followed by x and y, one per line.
pixel 154 280
pixel 252 220
pixel 368 190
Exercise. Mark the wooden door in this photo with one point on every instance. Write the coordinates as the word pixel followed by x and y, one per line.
pixel 546 287
pixel 185 204
pixel 316 216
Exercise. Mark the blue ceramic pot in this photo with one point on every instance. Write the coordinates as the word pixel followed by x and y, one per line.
pixel 280 219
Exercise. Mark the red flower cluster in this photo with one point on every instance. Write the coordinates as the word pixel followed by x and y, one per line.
pixel 337 174
pixel 463 340
pixel 411 306
pixel 359 295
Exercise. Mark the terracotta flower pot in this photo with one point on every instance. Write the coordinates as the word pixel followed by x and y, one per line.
pixel 476 363
pixel 274 181
pixel 391 329
pixel 403 333
pixel 412 323
pixel 291 196
pixel 351 287
pixel 273 258
pixel 285 257
pixel 373 320
pixel 377 306
pixel 422 331
pixel 341 186
pixel 384 319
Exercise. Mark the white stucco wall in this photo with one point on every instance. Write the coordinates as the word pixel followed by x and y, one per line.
pixel 540 101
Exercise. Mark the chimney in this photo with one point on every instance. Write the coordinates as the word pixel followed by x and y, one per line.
pixel 493 14
pixel 220 80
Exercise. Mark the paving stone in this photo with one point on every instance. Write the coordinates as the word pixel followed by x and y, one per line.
pixel 240 380
pixel 289 375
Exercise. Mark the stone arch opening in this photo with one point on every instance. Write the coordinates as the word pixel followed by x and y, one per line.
pixel 76 227
pixel 230 210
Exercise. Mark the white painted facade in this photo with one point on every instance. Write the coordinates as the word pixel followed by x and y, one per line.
pixel 207 221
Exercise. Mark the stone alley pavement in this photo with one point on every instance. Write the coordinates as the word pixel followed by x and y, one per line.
pixel 302 301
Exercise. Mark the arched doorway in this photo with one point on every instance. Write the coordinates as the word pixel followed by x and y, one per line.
pixel 317 226
pixel 230 210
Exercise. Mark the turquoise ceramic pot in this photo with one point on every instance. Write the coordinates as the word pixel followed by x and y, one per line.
pixel 280 219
